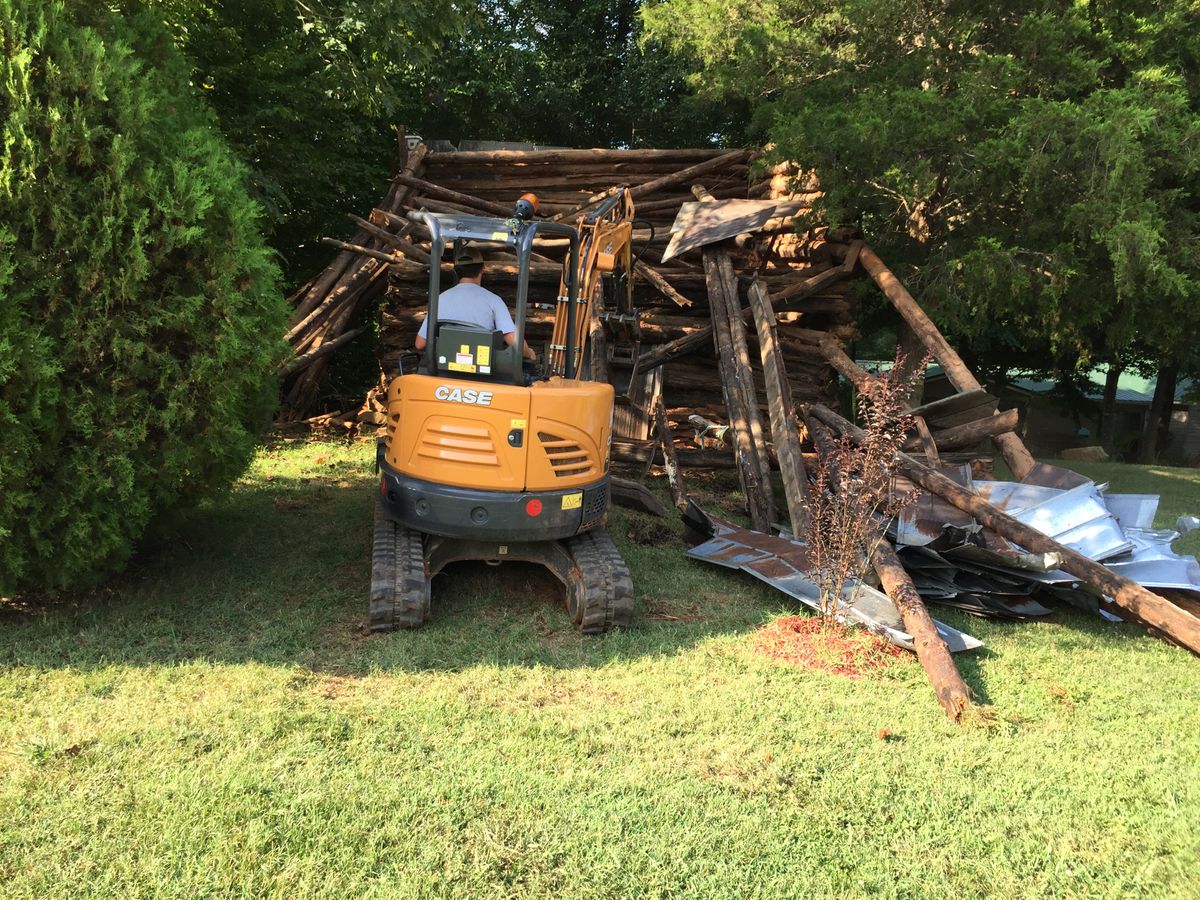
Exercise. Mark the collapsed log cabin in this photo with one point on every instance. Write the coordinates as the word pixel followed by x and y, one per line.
pixel 799 262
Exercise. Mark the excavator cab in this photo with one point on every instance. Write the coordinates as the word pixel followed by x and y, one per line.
pixel 482 460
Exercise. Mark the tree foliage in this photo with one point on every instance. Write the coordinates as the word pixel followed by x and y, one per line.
pixel 1035 164
pixel 306 93
pixel 138 303
pixel 579 74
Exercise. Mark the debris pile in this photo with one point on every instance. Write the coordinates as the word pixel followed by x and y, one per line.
pixel 745 308
pixel 806 273
pixel 994 548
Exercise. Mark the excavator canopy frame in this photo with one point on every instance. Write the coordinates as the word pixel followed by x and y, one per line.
pixel 519 235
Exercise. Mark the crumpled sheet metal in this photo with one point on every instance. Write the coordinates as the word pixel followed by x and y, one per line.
pixel 1077 517
pixel 1153 563
pixel 1133 510
pixel 955 562
pixel 786 566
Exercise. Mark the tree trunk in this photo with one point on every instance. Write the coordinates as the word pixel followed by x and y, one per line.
pixel 1160 408
pixel 1108 410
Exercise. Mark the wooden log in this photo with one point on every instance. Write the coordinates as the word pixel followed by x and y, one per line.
pixel 935 658
pixel 358 248
pixel 680 346
pixel 844 365
pixel 657 184
pixel 429 189
pixel 754 485
pixel 679 494
pixel 1011 447
pixel 683 176
pixel 409 249
pixel 782 414
pixel 593 155
pixel 971 433
pixel 661 283
pixel 507 183
pixel 324 350
pixel 1147 607
pixel 733 317
pixel 359 277
pixel 809 286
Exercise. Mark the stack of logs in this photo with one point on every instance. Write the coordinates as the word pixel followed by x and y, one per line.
pixel 805 272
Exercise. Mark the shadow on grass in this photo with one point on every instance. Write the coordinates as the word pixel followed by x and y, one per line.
pixel 278 572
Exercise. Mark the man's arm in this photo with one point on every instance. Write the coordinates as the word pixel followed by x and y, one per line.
pixel 511 338
pixel 419 343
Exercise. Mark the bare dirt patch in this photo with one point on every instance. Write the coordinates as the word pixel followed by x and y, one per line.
pixel 821 645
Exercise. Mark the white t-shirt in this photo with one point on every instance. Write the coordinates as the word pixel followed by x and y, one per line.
pixel 473 304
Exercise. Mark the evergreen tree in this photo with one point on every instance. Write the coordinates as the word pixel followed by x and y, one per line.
pixel 139 307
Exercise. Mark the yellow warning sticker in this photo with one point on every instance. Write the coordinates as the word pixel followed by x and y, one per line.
pixel 499 235
pixel 464 349
pixel 483 355
pixel 517 423
pixel 459 367
pixel 573 501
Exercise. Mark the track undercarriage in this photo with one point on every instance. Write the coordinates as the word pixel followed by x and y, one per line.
pixel 597 583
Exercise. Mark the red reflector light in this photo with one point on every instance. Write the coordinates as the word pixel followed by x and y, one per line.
pixel 534 507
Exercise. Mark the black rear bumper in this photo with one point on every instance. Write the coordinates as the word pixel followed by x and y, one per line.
pixel 490 515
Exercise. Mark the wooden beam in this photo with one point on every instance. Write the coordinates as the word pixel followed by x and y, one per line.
pixel 781 412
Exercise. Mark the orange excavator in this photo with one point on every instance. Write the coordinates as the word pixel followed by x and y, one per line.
pixel 485 456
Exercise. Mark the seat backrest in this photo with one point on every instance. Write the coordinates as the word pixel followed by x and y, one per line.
pixel 464 350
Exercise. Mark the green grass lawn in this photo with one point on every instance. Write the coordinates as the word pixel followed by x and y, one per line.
pixel 214 724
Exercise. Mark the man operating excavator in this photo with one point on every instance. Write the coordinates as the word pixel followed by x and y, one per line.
pixel 469 302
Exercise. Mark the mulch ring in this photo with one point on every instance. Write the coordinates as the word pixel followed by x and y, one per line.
pixel 824 645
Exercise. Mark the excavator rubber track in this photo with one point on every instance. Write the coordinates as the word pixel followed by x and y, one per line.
pixel 399 576
pixel 601 598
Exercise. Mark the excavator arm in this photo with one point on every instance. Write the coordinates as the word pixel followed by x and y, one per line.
pixel 608 325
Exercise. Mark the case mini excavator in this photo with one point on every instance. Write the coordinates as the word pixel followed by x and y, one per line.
pixel 486 458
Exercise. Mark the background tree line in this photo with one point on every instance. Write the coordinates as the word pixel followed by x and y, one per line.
pixel 1032 166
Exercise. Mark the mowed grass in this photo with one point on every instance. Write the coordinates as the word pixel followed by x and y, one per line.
pixel 215 724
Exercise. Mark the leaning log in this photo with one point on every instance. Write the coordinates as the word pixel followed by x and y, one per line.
pixel 1011 447
pixel 1147 607
pixel 325 349
pixel 666 441
pixel 661 284
pixel 429 189
pixel 781 412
